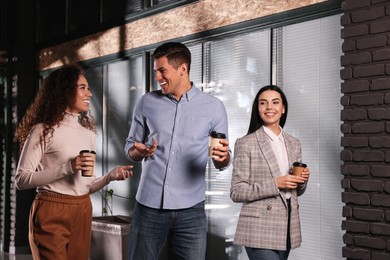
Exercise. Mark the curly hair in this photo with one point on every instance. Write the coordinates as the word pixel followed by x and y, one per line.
pixel 56 93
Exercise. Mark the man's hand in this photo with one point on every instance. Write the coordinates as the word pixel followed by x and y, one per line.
pixel 140 151
pixel 220 154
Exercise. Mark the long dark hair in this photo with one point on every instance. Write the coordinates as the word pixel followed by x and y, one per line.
pixel 256 121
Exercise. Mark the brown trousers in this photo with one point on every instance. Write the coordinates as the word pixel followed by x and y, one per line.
pixel 60 226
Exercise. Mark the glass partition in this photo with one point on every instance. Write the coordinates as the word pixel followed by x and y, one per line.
pixel 125 85
pixel 233 68
pixel 95 81
pixel 311 81
pixel 115 87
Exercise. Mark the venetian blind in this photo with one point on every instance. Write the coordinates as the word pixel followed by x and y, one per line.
pixel 310 76
pixel 235 68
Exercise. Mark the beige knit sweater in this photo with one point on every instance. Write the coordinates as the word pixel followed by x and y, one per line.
pixel 46 165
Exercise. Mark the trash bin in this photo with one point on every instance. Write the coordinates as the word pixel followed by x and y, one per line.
pixel 109 238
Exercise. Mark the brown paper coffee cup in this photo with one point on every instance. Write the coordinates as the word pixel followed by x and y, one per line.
pixel 298 168
pixel 214 139
pixel 91 170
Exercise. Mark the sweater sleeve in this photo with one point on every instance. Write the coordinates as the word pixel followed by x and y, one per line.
pixel 30 173
pixel 99 183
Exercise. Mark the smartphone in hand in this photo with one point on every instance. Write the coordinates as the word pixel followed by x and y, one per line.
pixel 151 139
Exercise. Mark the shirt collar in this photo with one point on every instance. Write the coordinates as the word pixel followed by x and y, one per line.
pixel 192 92
pixel 272 135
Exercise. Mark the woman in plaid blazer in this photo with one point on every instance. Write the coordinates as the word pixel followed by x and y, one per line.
pixel 269 224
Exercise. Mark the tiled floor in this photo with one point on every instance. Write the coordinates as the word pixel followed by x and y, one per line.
pixel 6 256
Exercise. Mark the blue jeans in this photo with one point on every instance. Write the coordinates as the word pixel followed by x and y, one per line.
pixel 266 254
pixel 151 228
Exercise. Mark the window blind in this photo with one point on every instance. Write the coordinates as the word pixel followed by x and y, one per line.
pixel 235 68
pixel 310 73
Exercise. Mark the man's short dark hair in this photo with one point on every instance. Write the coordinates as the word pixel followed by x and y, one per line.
pixel 176 52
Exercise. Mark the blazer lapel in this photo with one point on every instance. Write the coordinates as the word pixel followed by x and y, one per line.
pixel 267 151
pixel 289 148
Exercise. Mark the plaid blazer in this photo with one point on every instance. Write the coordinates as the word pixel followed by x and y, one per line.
pixel 264 214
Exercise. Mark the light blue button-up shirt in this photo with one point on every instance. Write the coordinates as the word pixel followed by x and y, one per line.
pixel 174 177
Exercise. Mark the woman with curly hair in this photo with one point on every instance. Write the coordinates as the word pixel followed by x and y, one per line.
pixel 55 128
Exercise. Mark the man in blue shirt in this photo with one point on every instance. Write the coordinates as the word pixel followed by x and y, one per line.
pixel 170 133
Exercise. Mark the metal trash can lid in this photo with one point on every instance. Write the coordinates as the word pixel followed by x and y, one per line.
pixel 115 225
